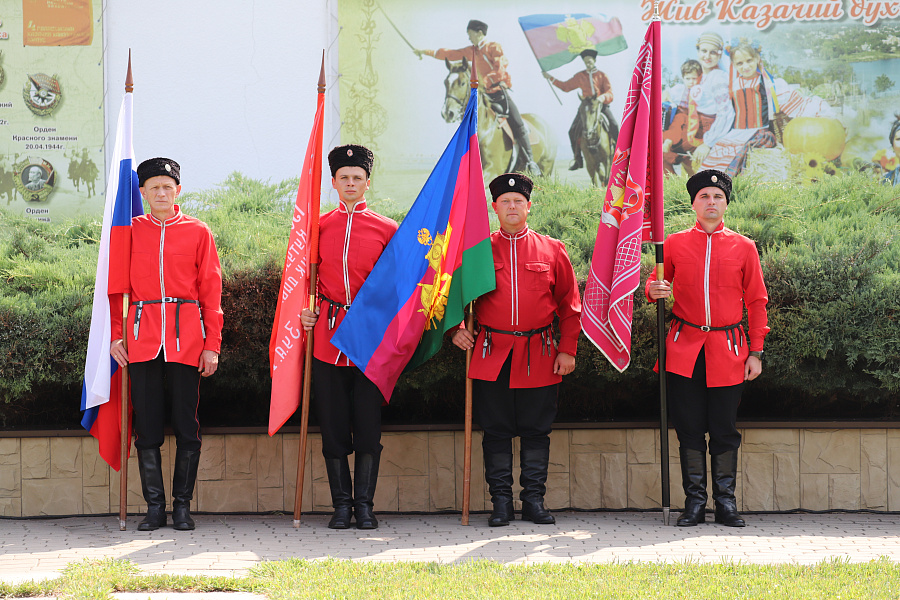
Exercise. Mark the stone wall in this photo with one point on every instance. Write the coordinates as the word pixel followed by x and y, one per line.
pixel 780 469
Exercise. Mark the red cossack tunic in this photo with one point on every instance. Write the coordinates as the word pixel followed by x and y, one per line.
pixel 713 277
pixel 591 84
pixel 175 259
pixel 490 64
pixel 349 245
pixel 535 280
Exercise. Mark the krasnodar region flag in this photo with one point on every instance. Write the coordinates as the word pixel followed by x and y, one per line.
pixel 101 392
pixel 438 261
pixel 633 201
pixel 557 40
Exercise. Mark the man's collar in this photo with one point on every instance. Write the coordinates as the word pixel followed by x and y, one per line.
pixel 515 236
pixel 699 227
pixel 358 207
pixel 171 219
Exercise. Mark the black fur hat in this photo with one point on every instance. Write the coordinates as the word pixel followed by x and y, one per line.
pixel 351 155
pixel 477 25
pixel 511 182
pixel 154 167
pixel 709 178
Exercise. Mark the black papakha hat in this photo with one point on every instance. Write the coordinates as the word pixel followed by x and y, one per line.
pixel 588 52
pixel 154 167
pixel 709 178
pixel 351 155
pixel 477 25
pixel 511 182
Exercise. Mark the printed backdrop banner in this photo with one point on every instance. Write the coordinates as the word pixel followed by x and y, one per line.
pixel 51 108
pixel 819 95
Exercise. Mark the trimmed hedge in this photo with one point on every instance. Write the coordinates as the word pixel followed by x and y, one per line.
pixel 828 249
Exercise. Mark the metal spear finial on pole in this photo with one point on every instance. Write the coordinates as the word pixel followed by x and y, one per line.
pixel 129 81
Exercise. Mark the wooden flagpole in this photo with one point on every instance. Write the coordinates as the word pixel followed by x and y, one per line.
pixel 307 363
pixel 467 454
pixel 304 402
pixel 470 326
pixel 124 432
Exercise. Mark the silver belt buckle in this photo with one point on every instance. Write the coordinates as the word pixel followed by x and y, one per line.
pixel 704 328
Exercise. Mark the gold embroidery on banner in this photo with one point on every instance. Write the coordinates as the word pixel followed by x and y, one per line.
pixel 434 295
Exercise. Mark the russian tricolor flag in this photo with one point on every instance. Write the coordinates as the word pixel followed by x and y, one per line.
pixel 438 261
pixel 101 390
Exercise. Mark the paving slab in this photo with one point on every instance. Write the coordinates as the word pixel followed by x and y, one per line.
pixel 229 545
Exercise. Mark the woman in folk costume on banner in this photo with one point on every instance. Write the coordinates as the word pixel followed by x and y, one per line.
pixel 710 113
pixel 757 99
pixel 893 175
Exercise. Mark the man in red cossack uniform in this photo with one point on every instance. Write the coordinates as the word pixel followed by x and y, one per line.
pixel 348 404
pixel 592 83
pixel 516 367
pixel 494 81
pixel 174 331
pixel 712 272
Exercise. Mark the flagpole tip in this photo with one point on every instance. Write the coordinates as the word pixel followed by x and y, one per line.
pixel 656 16
pixel 473 82
pixel 129 81
pixel 321 85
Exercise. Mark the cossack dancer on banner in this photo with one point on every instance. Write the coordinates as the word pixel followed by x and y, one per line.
pixel 516 366
pixel 174 332
pixel 712 273
pixel 348 404
pixel 592 85
pixel 494 81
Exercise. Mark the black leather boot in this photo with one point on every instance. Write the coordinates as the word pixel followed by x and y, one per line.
pixel 498 476
pixel 520 133
pixel 693 479
pixel 366 477
pixel 150 467
pixel 533 477
pixel 183 479
pixel 723 468
pixel 338 470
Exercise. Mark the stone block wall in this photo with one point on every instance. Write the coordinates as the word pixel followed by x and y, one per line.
pixel 779 469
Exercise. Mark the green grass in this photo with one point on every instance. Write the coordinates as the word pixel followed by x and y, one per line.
pixel 298 579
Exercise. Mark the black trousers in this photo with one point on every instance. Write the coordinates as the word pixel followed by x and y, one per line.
pixel 348 406
pixel 504 413
pixel 156 383
pixel 697 410
pixel 502 104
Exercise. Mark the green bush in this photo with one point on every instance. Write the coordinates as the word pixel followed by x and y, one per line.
pixel 828 251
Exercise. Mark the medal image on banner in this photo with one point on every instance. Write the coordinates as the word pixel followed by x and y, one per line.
pixel 42 94
pixel 35 179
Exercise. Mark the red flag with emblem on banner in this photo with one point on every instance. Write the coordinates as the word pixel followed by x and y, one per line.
pixel 632 211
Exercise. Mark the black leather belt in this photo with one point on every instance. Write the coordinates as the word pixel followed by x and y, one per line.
pixel 167 300
pixel 333 307
pixel 546 340
pixel 733 333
